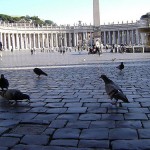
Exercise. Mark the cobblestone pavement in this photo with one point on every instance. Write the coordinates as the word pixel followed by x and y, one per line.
pixel 70 110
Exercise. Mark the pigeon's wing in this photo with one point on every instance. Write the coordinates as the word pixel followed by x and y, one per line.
pixel 115 92
pixel 111 89
pixel 10 94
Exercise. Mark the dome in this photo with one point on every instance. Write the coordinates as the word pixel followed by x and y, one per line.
pixel 146 16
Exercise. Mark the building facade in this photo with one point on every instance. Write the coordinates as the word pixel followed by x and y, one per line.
pixel 20 36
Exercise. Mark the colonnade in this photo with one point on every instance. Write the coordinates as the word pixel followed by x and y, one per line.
pixel 21 37
pixel 128 37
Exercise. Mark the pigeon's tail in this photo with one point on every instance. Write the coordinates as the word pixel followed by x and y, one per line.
pixel 44 73
pixel 25 96
pixel 126 100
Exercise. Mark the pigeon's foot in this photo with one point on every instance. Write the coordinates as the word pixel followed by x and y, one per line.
pixel 12 103
pixel 114 103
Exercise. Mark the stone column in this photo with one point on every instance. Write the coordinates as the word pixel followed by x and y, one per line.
pixel 17 38
pixel 34 45
pixel 122 37
pixel 9 44
pixel 132 37
pixel 114 37
pixel 52 40
pixel 39 41
pixel 43 46
pixel 56 40
pixel 77 39
pixel 128 37
pixel 109 37
pixel 74 39
pixel 30 41
pixel 47 41
pixel 65 40
pixel 25 41
pixel 21 44
pixel 137 37
pixel 13 42
pixel 118 37
pixel 104 38
pixel 5 45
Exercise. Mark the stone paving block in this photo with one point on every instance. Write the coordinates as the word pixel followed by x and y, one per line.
pixel 66 133
pixel 146 104
pixel 94 134
pixel 89 116
pixel 29 147
pixel 35 139
pixel 123 133
pixel 55 105
pixel 95 144
pixel 142 100
pixel 117 109
pixel 38 110
pixel 76 110
pixel 91 104
pixel 102 124
pixel 18 116
pixel 129 124
pixel 24 129
pixel 63 142
pixel 8 123
pixel 3 130
pixel 96 110
pixel 48 131
pixel 71 100
pixel 3 148
pixel 73 104
pixel 138 110
pixel 56 110
pixel 68 117
pixel 144 133
pixel 135 116
pixel 48 117
pixel 58 123
pixel 146 124
pixel 88 100
pixel 141 144
pixel 78 124
pixel 112 117
pixel 8 141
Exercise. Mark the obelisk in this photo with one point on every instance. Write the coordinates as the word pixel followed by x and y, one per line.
pixel 96 23
pixel 96 15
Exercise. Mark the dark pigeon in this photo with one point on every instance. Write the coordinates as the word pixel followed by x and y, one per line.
pixel 39 72
pixel 121 66
pixel 14 94
pixel 4 84
pixel 113 90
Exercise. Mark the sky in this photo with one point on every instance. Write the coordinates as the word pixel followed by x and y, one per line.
pixel 71 11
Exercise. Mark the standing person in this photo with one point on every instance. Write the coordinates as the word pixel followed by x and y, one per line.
pixel 98 47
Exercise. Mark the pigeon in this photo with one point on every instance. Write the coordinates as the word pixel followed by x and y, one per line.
pixel 121 66
pixel 39 72
pixel 113 59
pixel 4 84
pixel 113 90
pixel 14 94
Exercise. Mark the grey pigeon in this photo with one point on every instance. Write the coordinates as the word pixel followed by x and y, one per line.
pixel 14 94
pixel 113 90
pixel 4 84
pixel 121 66
pixel 39 72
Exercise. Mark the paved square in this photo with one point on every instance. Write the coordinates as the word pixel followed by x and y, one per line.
pixel 69 109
